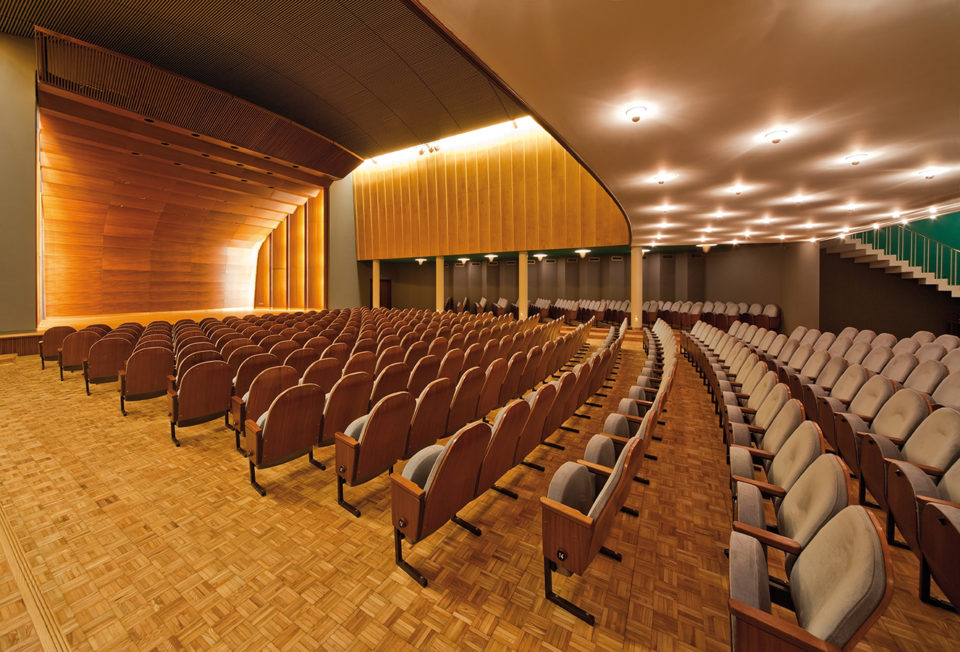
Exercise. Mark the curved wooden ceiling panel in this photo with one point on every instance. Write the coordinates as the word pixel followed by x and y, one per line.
pixel 143 217
pixel 369 74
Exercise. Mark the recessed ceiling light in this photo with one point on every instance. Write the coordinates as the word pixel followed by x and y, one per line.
pixel 782 237
pixel 735 241
pixel 933 212
pixel 658 236
pixel 931 172
pixel 875 226
pixel 851 206
pixel 662 177
pixel 775 135
pixel 766 219
pixel 539 256
pixel 895 215
pixel 638 112
pixel 857 158
pixel 746 234
pixel 709 229
pixel 738 188
pixel 808 225
pixel 812 240
pixel 799 198
pixel 665 207
pixel 665 224
pixel 719 214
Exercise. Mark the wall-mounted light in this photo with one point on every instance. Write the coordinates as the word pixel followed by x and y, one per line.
pixel 539 256
pixel 463 261
pixel 644 252
pixel 490 257
pixel 705 247
pixel 583 252
pixel 420 261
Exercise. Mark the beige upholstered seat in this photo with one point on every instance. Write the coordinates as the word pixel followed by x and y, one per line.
pixel 841 579
pixel 876 409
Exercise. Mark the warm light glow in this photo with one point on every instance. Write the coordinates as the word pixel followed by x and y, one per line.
pixel 782 237
pixel 776 134
pixel 490 257
pixel 931 172
pixel 705 247
pixel 851 206
pixel 812 240
pixel 658 236
pixel 421 261
pixel 666 208
pixel 738 188
pixel 665 224
pixel 746 234
pixel 933 212
pixel 799 198
pixel 709 229
pixel 638 112
pixel 857 158
pixel 895 215
pixel 736 242
pixel 808 225
pixel 875 226
pixel 719 214
pixel 539 256
pixel 467 140
pixel 766 219
pixel 662 177
pixel 463 261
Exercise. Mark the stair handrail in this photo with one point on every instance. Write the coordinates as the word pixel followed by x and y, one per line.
pixel 916 249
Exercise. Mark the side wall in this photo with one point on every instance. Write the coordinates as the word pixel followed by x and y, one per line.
pixel 347 276
pixel 18 185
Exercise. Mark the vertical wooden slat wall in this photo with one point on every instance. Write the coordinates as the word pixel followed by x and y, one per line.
pixel 315 272
pixel 297 259
pixel 278 267
pixel 261 294
pixel 523 192
pixel 291 273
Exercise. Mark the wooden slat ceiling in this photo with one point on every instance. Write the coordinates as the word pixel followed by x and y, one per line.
pixel 368 74
pixel 141 217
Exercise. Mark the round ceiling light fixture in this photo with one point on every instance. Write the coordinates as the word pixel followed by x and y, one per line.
pixel 662 177
pixel 931 172
pixel 638 112
pixel 539 256
pixel 774 136
pixel 583 252
pixel 857 158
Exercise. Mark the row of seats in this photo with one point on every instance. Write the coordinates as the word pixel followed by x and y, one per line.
pixel 440 480
pixel 837 562
pixel 890 411
pixel 684 314
pixel 584 497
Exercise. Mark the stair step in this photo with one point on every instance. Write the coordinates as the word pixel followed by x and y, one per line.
pixel 861 252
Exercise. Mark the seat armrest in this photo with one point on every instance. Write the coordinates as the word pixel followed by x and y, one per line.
pixel 253 434
pixel 236 401
pixel 929 470
pixel 566 529
pixel 617 438
pixel 407 506
pixel 753 428
pixel 748 410
pixel 765 487
pixel 599 469
pixel 640 401
pixel 171 383
pixel 347 450
pixel 930 500
pixel 775 633
pixel 768 538
pixel 755 452
pixel 630 417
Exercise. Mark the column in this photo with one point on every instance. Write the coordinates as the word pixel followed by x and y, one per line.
pixel 375 298
pixel 439 283
pixel 522 274
pixel 636 286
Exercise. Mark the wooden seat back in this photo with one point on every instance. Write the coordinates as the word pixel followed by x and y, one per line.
pixel 348 399
pixel 531 366
pixel 266 387
pixel 502 450
pixel 324 373
pixel 192 348
pixel 389 381
pixel 339 351
pixel 229 346
pixel 387 357
pixel 511 381
pixel 146 371
pixel 250 368
pixel 425 371
pixel 438 347
pixel 532 434
pixel 52 339
pixel 414 352
pixel 317 343
pixel 381 442
pixel 561 409
pixel 107 356
pixel 365 361
pixel 300 359
pixel 203 391
pixel 490 391
pixel 75 347
pixel 184 364
pixel 238 355
pixel 291 427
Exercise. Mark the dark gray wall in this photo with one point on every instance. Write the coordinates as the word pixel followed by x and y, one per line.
pixel 18 185
pixel 853 294
pixel 411 285
pixel 349 280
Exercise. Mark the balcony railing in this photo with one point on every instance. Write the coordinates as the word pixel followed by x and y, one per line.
pixel 916 249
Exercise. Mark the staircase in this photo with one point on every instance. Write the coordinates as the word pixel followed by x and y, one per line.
pixel 898 250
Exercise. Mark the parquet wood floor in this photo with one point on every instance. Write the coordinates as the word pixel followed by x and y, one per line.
pixel 136 544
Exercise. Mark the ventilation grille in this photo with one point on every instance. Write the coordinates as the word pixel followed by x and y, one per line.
pixel 136 86
pixel 616 259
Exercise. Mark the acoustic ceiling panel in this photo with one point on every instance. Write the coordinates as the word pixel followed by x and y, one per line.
pixel 370 75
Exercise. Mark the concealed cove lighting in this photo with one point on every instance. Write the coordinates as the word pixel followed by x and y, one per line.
pixel 662 177
pixel 638 112
pixel 774 136
pixel 583 252
pixel 539 256
pixel 420 261
pixel 857 157
pixel 490 257
pixel 931 172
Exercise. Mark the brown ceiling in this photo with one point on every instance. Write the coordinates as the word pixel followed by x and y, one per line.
pixel 368 74
pixel 880 76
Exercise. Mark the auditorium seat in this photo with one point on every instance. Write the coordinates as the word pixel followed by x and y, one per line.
pixel 436 483
pixel 145 375
pixel 265 387
pixel 285 431
pixel 932 351
pixel 451 365
pixel 348 399
pixel 819 493
pixel 429 420
pixel 49 344
pixel 838 585
pixel 463 407
pixel 74 350
pixel 392 379
pixel 939 542
pixel 107 356
pixel 830 400
pixel 365 361
pixel 202 394
pixel 541 403
pixel 424 371
pixel 511 381
pixel 582 501
pixel 878 410
pixel 502 449
pixel 490 391
pixel 372 443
